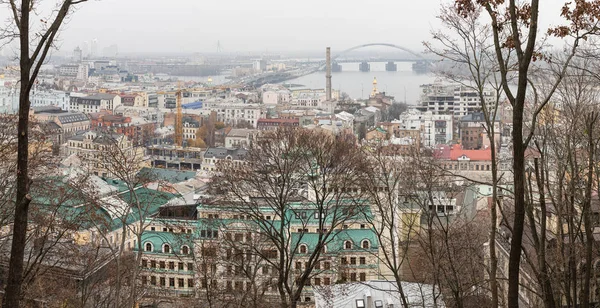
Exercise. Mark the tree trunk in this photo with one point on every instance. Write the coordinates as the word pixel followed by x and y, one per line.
pixel 15 271
pixel 519 197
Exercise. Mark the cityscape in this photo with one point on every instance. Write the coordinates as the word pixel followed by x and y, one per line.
pixel 371 165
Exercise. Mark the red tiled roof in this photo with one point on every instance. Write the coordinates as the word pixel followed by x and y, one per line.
pixel 456 151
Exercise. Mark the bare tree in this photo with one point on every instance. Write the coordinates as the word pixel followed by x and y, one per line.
pixel 515 32
pixel 33 51
pixel 287 173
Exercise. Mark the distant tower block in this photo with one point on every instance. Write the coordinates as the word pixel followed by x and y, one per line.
pixel 364 67
pixel 328 74
pixel 336 67
pixel 391 66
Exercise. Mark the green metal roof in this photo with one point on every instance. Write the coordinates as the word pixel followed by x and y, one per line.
pixel 337 239
pixel 175 240
pixel 171 176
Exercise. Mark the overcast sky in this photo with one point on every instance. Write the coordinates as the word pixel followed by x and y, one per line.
pixel 259 25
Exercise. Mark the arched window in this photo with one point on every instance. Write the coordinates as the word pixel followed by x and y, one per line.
pixel 148 247
pixel 185 250
pixel 366 244
pixel 347 245
pixel 303 248
pixel 166 248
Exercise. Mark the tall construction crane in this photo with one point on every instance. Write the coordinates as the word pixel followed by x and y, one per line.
pixel 179 119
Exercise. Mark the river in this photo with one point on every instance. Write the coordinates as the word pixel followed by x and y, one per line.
pixel 402 84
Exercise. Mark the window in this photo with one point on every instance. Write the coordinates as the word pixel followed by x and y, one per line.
pixel 326 281
pixel 180 282
pixel 353 260
pixel 190 266
pixel 148 247
pixel 363 260
pixel 144 263
pixel 347 245
pixel 344 260
pixel 162 281
pixel 303 248
pixel 352 277
pixel 162 264
pixel 265 269
pixel 362 277
pixel 171 265
pixel 185 250
pixel 153 280
pixel 327 265
pixel 166 248
pixel 298 265
pixel 152 264
pixel 172 282
pixel 360 303
pixel 317 282
pixel 180 266
pixel 366 244
pixel 144 280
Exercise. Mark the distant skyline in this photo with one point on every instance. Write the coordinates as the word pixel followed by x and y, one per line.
pixel 261 26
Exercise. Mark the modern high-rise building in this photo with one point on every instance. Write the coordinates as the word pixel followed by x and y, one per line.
pixel 77 54
pixel 456 100
pixel 94 48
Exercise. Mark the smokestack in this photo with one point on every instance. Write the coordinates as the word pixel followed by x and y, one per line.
pixel 328 73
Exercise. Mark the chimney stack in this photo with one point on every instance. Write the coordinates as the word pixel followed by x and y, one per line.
pixel 328 73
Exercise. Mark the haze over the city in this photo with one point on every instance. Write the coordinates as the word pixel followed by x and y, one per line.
pixel 266 26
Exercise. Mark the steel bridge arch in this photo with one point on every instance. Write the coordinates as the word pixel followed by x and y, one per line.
pixel 378 44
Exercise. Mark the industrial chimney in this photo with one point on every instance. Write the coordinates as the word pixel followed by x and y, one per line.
pixel 328 73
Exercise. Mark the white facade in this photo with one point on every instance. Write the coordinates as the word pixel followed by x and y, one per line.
pixel 56 98
pixel 9 99
pixel 276 97
pixel 233 112
pixel 435 128
pixel 94 103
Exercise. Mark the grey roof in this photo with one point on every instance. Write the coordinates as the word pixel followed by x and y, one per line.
pixel 241 132
pixel 48 109
pixel 381 293
pixel 222 153
pixel 72 118
pixel 477 117
pixel 101 96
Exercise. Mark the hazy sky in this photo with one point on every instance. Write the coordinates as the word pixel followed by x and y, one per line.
pixel 259 25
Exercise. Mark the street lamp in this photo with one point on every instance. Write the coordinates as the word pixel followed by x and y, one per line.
pixel 362 90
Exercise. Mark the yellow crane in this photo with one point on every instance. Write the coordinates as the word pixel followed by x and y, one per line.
pixel 179 119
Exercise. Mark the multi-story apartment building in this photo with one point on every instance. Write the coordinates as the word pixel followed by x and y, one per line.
pixel 9 98
pixel 476 164
pixel 92 148
pixel 212 156
pixel 453 100
pixel 473 131
pixel 274 124
pixel 70 123
pixel 95 103
pixel 77 71
pixel 133 99
pixel 240 138
pixel 435 128
pixel 48 97
pixel 194 249
pixel 233 112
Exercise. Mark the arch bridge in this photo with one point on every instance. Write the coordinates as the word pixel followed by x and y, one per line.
pixel 421 62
